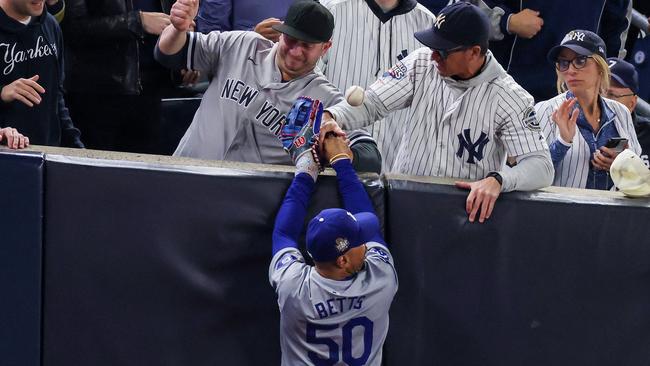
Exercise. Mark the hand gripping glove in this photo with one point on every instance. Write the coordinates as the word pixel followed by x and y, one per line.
pixel 299 133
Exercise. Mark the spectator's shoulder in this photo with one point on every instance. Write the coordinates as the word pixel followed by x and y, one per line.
pixel 49 21
pixel 323 89
pixel 333 5
pixel 242 40
pixel 246 36
pixel 617 107
pixel 421 11
pixel 509 90
pixel 546 107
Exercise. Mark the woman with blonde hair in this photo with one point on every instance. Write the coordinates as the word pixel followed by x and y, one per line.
pixel 579 122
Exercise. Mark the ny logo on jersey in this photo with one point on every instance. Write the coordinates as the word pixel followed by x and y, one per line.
pixel 475 149
pixel 441 19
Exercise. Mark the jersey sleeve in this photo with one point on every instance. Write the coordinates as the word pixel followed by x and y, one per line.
pixel 396 86
pixel 517 123
pixel 380 262
pixel 203 51
pixel 285 272
pixel 392 91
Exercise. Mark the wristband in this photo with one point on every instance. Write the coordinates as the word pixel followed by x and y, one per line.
pixel 338 157
pixel 496 176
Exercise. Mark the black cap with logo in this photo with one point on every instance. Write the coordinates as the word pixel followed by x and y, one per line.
pixel 457 25
pixel 308 21
pixel 582 42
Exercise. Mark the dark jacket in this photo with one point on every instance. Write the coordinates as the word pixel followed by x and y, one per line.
pixel 29 50
pixel 642 127
pixel 525 59
pixel 104 40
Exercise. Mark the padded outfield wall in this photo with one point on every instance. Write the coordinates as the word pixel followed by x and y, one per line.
pixel 143 260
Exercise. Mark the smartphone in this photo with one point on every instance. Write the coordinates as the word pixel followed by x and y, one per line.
pixel 616 143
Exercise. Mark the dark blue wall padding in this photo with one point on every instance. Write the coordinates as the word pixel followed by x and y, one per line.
pixel 21 220
pixel 152 267
pixel 548 280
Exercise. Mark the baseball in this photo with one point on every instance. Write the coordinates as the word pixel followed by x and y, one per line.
pixel 354 95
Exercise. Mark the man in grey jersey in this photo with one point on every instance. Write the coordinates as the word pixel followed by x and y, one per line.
pixel 465 114
pixel 254 85
pixel 369 37
pixel 335 312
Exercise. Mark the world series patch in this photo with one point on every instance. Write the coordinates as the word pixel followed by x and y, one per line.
pixel 397 72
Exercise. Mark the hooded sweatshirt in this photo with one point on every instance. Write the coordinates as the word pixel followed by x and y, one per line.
pixel 28 50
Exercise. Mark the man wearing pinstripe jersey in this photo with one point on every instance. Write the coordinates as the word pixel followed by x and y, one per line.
pixel 466 114
pixel 369 37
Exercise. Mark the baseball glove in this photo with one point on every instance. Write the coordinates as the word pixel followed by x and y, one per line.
pixel 299 133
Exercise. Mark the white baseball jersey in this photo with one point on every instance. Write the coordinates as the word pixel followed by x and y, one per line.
pixel 340 322
pixel 573 170
pixel 242 111
pixel 365 43
pixel 462 129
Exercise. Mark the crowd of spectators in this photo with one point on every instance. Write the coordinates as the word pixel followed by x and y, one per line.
pixel 108 88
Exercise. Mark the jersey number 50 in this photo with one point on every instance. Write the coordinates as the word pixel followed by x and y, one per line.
pixel 347 328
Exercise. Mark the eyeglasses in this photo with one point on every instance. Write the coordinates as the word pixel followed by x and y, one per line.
pixel 611 95
pixel 445 53
pixel 578 63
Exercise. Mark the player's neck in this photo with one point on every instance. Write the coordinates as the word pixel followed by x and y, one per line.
pixel 332 273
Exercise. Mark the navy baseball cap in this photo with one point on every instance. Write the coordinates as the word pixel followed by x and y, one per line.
pixel 624 73
pixel 308 21
pixel 334 231
pixel 457 25
pixel 582 42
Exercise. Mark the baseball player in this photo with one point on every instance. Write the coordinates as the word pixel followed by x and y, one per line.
pixel 335 312
pixel 466 114
pixel 369 37
pixel 254 84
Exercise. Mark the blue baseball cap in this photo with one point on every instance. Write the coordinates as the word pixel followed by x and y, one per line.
pixel 624 73
pixel 459 24
pixel 334 231
pixel 582 42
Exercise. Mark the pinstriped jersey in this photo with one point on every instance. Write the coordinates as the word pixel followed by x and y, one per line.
pixel 363 47
pixel 243 109
pixel 329 322
pixel 573 170
pixel 461 129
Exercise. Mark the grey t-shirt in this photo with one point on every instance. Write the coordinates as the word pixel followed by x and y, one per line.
pixel 242 111
pixel 344 322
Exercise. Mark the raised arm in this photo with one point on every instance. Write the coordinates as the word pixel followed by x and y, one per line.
pixel 174 36
pixel 355 197
pixel 288 223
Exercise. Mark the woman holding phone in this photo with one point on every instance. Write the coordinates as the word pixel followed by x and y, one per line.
pixel 579 124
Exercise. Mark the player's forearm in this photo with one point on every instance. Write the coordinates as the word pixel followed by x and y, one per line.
pixel 352 118
pixel 533 171
pixel 355 198
pixel 171 40
pixel 288 223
